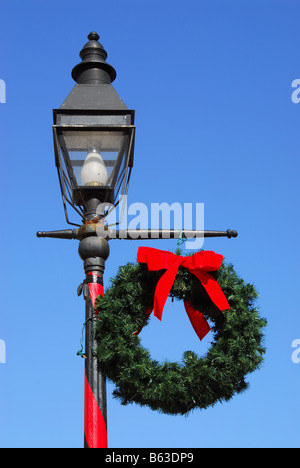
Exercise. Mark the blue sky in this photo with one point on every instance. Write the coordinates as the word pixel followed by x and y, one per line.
pixel 210 82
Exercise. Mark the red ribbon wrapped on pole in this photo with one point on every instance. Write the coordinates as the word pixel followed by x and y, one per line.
pixel 199 264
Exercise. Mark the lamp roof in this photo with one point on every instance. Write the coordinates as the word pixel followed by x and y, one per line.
pixel 93 76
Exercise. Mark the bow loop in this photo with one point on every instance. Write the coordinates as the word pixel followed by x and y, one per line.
pixel 205 260
pixel 158 259
pixel 199 264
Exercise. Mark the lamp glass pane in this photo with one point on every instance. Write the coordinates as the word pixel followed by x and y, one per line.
pixel 101 147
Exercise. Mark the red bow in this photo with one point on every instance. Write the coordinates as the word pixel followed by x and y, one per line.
pixel 198 264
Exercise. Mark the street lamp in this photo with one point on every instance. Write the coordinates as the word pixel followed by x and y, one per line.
pixel 93 135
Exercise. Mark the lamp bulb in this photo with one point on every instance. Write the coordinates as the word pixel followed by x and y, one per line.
pixel 93 171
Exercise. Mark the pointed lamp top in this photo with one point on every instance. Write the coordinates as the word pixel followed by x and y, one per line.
pixel 93 69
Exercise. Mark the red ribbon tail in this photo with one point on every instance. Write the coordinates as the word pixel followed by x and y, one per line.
pixel 198 321
pixel 213 289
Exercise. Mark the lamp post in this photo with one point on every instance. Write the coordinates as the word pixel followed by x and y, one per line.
pixel 93 134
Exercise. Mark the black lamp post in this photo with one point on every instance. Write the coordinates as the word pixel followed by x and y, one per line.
pixel 93 135
pixel 94 143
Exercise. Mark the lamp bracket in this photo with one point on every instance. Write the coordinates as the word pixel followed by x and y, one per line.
pixel 95 228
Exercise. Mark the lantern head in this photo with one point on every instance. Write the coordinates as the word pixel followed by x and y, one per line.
pixel 93 135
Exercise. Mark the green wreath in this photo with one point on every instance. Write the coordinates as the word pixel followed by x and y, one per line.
pixel 196 382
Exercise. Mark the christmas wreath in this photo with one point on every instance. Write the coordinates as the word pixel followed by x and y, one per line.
pixel 212 291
